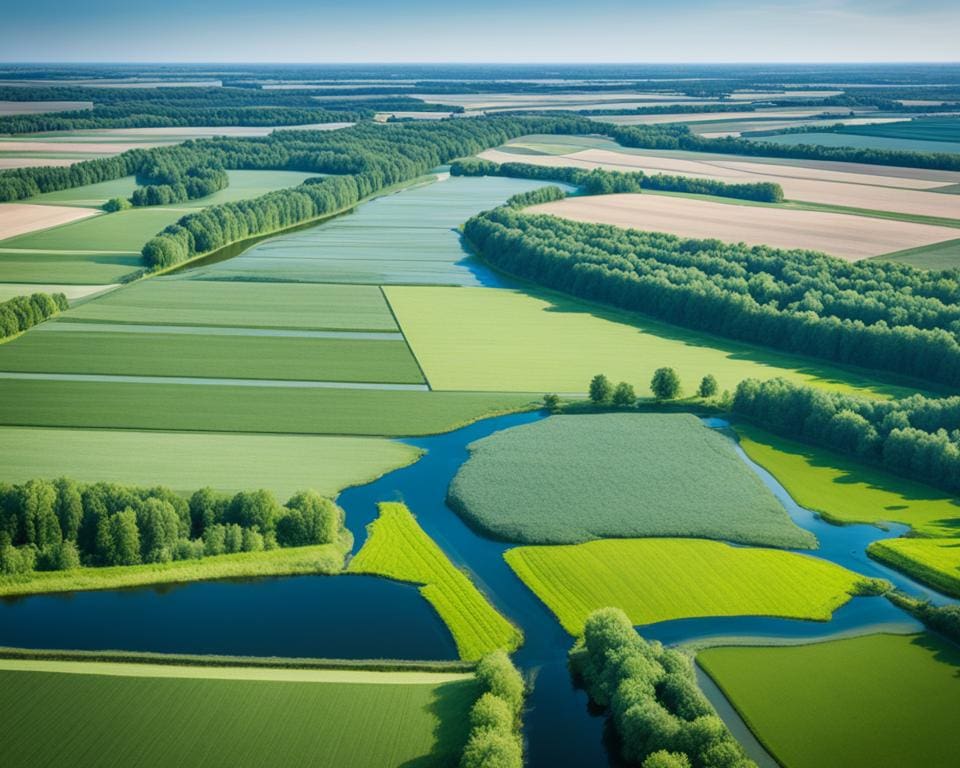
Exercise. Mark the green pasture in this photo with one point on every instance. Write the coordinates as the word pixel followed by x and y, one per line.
pixel 536 341
pixel 112 721
pixel 125 231
pixel 940 129
pixel 945 255
pixel 283 464
pixel 861 140
pixel 398 548
pixel 67 266
pixel 933 561
pixel 661 579
pixel 577 478
pixel 880 700
pixel 89 195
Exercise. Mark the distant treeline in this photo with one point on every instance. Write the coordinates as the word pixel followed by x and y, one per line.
pixel 62 524
pixel 881 315
pixel 494 739
pixel 23 312
pixel 658 710
pixel 603 182
pixel 917 437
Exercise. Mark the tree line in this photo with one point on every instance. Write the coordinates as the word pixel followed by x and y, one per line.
pixel 62 524
pixel 917 437
pixel 494 739
pixel 603 182
pixel 885 316
pixel 661 715
pixel 170 183
pixel 23 312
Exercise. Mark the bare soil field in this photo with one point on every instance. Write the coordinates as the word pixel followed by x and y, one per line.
pixel 72 292
pixel 20 218
pixel 34 162
pixel 697 117
pixel 849 237
pixel 498 101
pixel 39 107
pixel 719 130
pixel 89 147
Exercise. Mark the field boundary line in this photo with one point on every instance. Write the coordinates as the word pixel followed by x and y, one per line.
pixel 406 341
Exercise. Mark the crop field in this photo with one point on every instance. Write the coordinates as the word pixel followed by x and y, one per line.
pixel 847 491
pixel 584 477
pixel 698 117
pixel 720 128
pixel 408 237
pixel 533 341
pixel 107 720
pixel 661 579
pixel 72 292
pixel 216 408
pixel 933 561
pixel 940 256
pixel 33 107
pixel 848 237
pixel 861 703
pixel 247 305
pixel 67 266
pixel 21 218
pixel 89 195
pixel 283 464
pixel 857 137
pixel 214 356
pixel 398 548
pixel 938 129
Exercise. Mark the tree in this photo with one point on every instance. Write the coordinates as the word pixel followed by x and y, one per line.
pixel 124 538
pixel 551 401
pixel 708 386
pixel 664 759
pixel 69 507
pixel 496 674
pixel 665 384
pixel 39 523
pixel 624 395
pixel 600 390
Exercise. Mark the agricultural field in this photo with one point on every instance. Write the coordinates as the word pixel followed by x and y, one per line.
pixel 72 292
pixel 940 256
pixel 862 702
pixel 932 561
pixel 35 107
pixel 656 580
pixel 21 219
pixel 230 719
pixel 283 464
pixel 847 491
pixel 862 140
pixel 534 341
pixel 633 472
pixel 398 548
pixel 841 235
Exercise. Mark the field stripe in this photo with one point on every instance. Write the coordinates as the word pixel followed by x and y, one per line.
pixel 217 330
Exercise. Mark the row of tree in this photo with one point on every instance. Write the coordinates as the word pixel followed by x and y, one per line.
pixel 885 316
pixel 661 715
pixel 917 436
pixel 603 182
pixel 494 739
pixel 23 312
pixel 62 524
pixel 665 385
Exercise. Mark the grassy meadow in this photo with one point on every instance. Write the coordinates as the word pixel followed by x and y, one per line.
pixel 398 548
pixel 67 266
pixel 856 136
pixel 879 700
pixel 661 579
pixel 945 255
pixel 933 561
pixel 584 477
pixel 535 341
pixel 106 720
pixel 283 464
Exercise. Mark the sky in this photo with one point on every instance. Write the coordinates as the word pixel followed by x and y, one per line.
pixel 514 31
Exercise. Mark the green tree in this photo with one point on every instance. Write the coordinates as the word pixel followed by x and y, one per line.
pixel 664 759
pixel 600 390
pixel 38 508
pixel 309 519
pixel 624 395
pixel 665 384
pixel 69 507
pixel 496 674
pixel 551 401
pixel 159 528
pixel 124 538
pixel 708 386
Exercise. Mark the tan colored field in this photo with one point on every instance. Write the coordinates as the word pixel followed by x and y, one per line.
pixel 491 102
pixel 9 290
pixel 849 237
pixel 20 218
pixel 91 147
pixel 696 117
pixel 38 107
pixel 806 184
pixel 199 132
pixel 36 162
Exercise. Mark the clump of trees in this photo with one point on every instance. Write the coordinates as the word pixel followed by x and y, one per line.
pixel 494 739
pixel 886 316
pixel 917 436
pixel 23 312
pixel 61 524
pixel 661 715
pixel 944 619
pixel 665 384
pixel 171 184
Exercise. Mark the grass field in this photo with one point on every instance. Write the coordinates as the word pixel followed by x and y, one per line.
pixel 207 408
pixel 72 292
pixel 857 136
pixel 880 700
pixel 534 341
pixel 248 305
pixel 398 548
pixel 284 464
pixel 584 477
pixel 847 491
pixel 944 255
pixel 940 129
pixel 108 720
pixel 661 579
pixel 89 195
pixel 323 558
pixel 76 267
pixel 214 356
pixel 933 561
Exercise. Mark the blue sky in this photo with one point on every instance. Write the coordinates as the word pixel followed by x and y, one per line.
pixel 482 31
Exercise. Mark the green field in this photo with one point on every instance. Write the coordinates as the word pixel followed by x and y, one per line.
pixel 398 548
pixel 847 491
pixel 288 561
pixel 584 477
pixel 67 266
pixel 526 341
pixel 89 195
pixel 283 464
pixel 880 700
pixel 208 408
pixel 945 255
pixel 112 721
pixel 248 305
pixel 855 137
pixel 661 579
pixel 211 356
pixel 933 561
